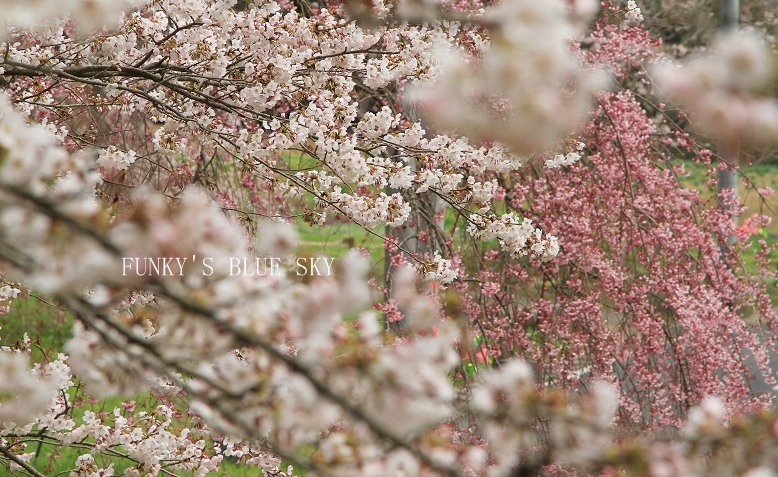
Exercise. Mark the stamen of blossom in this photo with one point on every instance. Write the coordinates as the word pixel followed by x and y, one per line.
pixel 438 269
pixel 516 236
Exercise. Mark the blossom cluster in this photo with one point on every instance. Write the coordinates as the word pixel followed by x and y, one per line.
pixel 633 15
pixel 439 270
pixel 720 89
pixel 7 294
pixel 114 160
pixel 514 92
pixel 26 394
pixel 91 15
pixel 559 160
pixel 517 236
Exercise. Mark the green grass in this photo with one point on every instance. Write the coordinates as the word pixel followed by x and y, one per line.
pixel 762 175
pixel 60 460
pixel 335 239
pixel 47 325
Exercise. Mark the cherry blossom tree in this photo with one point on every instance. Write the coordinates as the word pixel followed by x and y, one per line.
pixel 184 137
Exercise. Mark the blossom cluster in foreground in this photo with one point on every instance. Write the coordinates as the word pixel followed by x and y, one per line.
pixel 721 89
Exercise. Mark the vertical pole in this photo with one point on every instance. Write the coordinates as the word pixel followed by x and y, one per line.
pixel 728 180
pixel 730 15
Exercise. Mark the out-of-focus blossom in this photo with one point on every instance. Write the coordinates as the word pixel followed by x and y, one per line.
pixel 523 92
pixel 23 394
pixel 89 15
pixel 719 89
pixel 707 419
